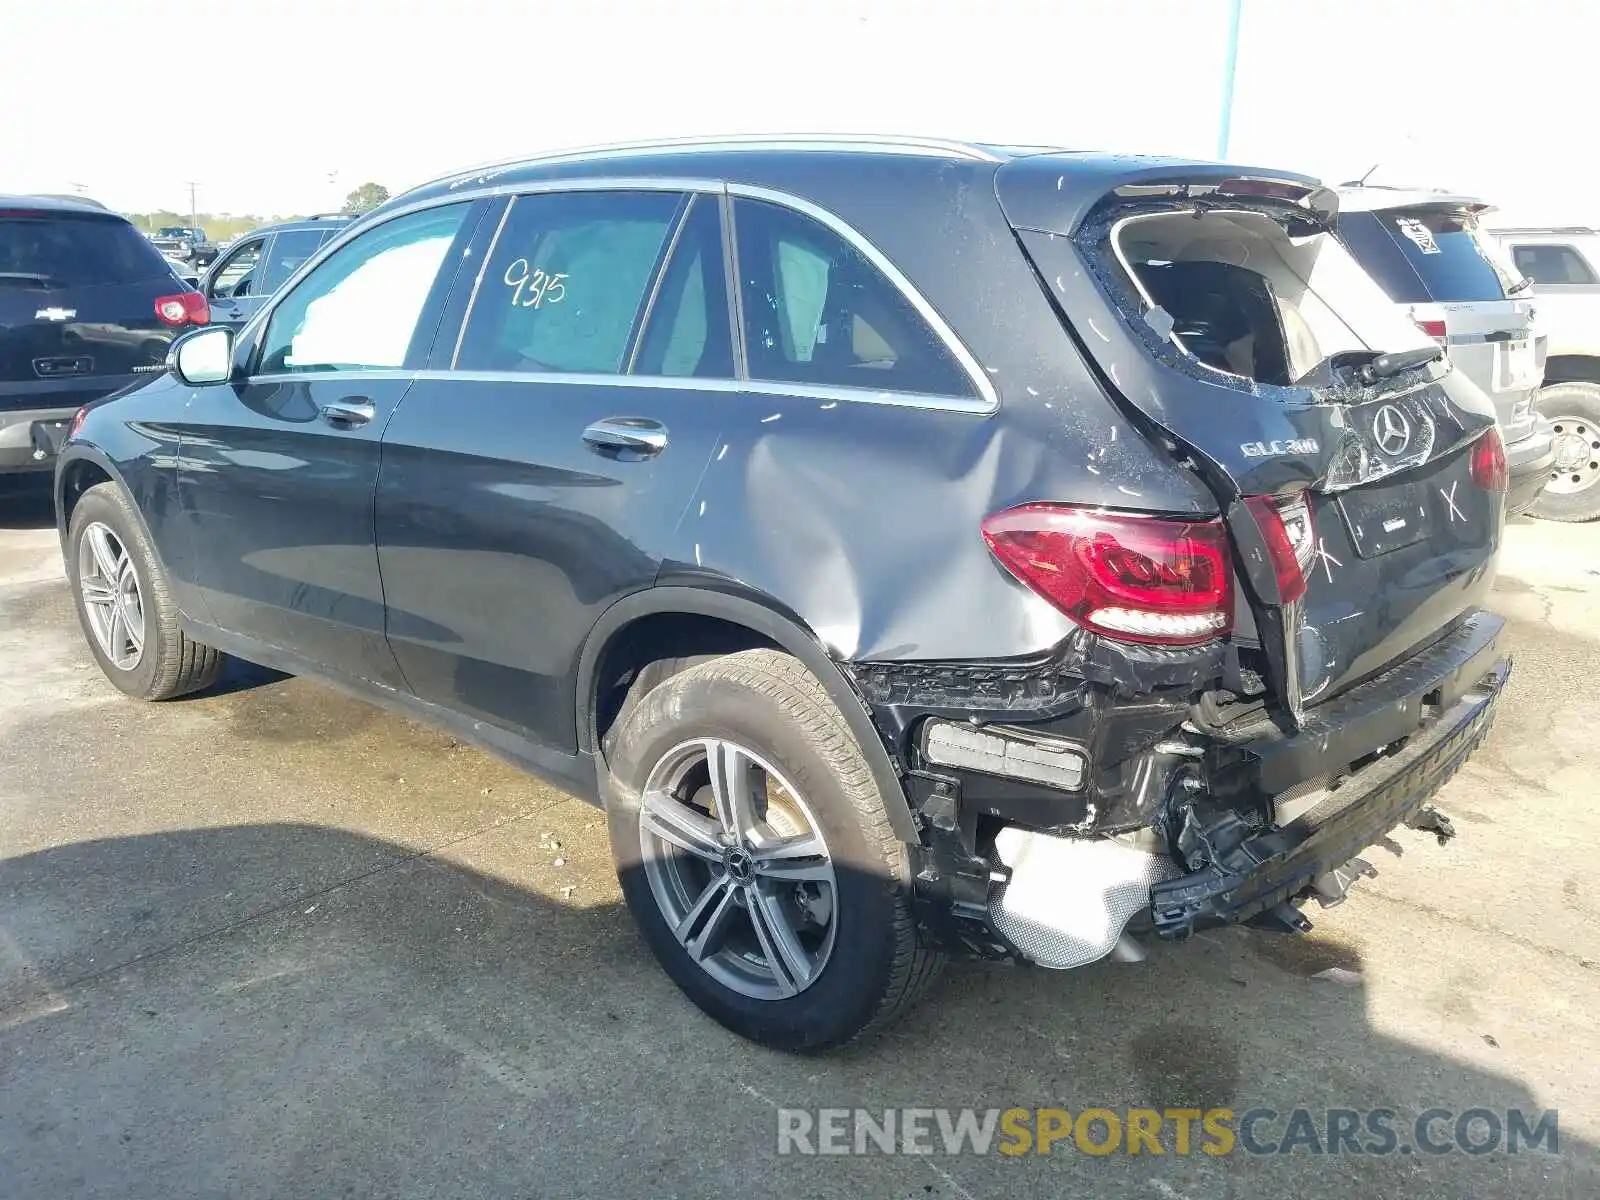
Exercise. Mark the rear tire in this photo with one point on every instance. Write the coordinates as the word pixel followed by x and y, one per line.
pixel 1575 409
pixel 850 956
pixel 124 602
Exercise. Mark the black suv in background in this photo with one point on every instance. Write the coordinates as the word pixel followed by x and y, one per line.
pixel 87 304
pixel 915 546
pixel 258 263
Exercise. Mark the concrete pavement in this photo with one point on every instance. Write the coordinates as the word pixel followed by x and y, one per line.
pixel 273 941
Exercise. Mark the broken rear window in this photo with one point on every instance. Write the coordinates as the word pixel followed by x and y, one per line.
pixel 1241 295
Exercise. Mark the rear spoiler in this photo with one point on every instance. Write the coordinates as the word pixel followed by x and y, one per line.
pixel 1055 193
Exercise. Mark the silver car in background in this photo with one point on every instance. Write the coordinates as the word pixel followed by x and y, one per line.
pixel 1429 252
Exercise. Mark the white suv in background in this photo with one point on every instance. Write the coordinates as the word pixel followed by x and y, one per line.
pixel 1426 249
pixel 1564 264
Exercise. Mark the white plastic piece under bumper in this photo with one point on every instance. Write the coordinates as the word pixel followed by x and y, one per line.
pixel 1069 899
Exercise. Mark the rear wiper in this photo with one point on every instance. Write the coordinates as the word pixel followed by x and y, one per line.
pixel 1386 366
pixel 1520 285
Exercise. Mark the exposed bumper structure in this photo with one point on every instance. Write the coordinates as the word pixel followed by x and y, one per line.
pixel 1247 876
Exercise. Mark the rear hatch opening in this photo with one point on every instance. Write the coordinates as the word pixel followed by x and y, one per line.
pixel 1223 314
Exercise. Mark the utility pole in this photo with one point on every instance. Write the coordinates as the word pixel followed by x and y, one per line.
pixel 1229 64
pixel 194 214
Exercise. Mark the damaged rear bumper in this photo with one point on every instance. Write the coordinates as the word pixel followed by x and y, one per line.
pixel 1247 876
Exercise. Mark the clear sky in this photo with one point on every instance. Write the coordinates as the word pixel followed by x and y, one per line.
pixel 261 101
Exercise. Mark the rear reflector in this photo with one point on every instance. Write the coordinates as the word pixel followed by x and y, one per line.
pixel 1285 523
pixel 1434 329
pixel 997 750
pixel 1141 579
pixel 183 308
pixel 1489 470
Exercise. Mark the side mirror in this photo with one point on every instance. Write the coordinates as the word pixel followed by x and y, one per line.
pixel 202 357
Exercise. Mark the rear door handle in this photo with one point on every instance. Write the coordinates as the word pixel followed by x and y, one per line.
pixel 347 414
pixel 635 435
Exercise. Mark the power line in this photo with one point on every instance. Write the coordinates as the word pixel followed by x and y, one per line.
pixel 194 212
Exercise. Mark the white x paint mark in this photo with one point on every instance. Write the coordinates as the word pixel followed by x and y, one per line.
pixel 1322 553
pixel 1450 499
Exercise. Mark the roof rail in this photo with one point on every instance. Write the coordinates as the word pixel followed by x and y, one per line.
pixel 886 143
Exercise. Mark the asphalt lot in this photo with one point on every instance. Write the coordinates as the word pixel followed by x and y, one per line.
pixel 272 941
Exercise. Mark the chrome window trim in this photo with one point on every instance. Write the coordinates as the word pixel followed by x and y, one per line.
pixel 985 402
pixel 987 399
pixel 960 404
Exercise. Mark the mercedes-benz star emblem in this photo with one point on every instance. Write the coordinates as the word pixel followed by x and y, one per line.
pixel 1392 430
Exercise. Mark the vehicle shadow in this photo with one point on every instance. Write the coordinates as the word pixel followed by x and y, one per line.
pixel 294 1010
pixel 26 502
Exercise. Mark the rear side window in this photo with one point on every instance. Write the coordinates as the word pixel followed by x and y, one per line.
pixel 1552 265
pixel 687 331
pixel 816 311
pixel 238 274
pixel 56 250
pixel 565 286
pixel 289 250
pixel 1427 255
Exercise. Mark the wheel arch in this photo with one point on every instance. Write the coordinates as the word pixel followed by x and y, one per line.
pixel 762 622
pixel 80 468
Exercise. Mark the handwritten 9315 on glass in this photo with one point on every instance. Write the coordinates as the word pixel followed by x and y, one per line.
pixel 533 287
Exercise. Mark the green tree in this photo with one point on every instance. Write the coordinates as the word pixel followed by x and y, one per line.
pixel 365 198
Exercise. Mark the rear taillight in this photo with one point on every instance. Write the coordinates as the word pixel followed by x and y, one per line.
pixel 183 308
pixel 1434 329
pixel 1285 523
pixel 77 422
pixel 1142 579
pixel 1489 469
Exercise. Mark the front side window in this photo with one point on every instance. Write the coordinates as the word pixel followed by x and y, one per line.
pixel 565 286
pixel 237 274
pixel 359 308
pixel 817 311
pixel 288 251
pixel 1556 265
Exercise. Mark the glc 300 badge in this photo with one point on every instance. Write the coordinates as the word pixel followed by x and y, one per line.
pixel 1279 449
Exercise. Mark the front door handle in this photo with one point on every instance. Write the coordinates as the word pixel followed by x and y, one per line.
pixel 347 414
pixel 631 435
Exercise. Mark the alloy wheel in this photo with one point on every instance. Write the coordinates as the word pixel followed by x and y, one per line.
pixel 111 600
pixel 738 866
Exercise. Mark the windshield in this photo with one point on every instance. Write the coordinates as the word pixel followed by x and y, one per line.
pixel 1241 295
pixel 54 250
pixel 1429 255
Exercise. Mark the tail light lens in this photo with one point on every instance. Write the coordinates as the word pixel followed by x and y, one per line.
pixel 1489 469
pixel 77 422
pixel 1141 579
pixel 183 308
pixel 1434 329
pixel 1285 523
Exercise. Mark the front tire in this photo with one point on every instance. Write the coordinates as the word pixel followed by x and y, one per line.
pixel 1573 490
pixel 756 855
pixel 124 602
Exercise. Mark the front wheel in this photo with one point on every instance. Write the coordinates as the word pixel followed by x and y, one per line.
pixel 124 603
pixel 1573 490
pixel 756 855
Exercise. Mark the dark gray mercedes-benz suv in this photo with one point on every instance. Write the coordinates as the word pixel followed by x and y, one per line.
pixel 917 547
